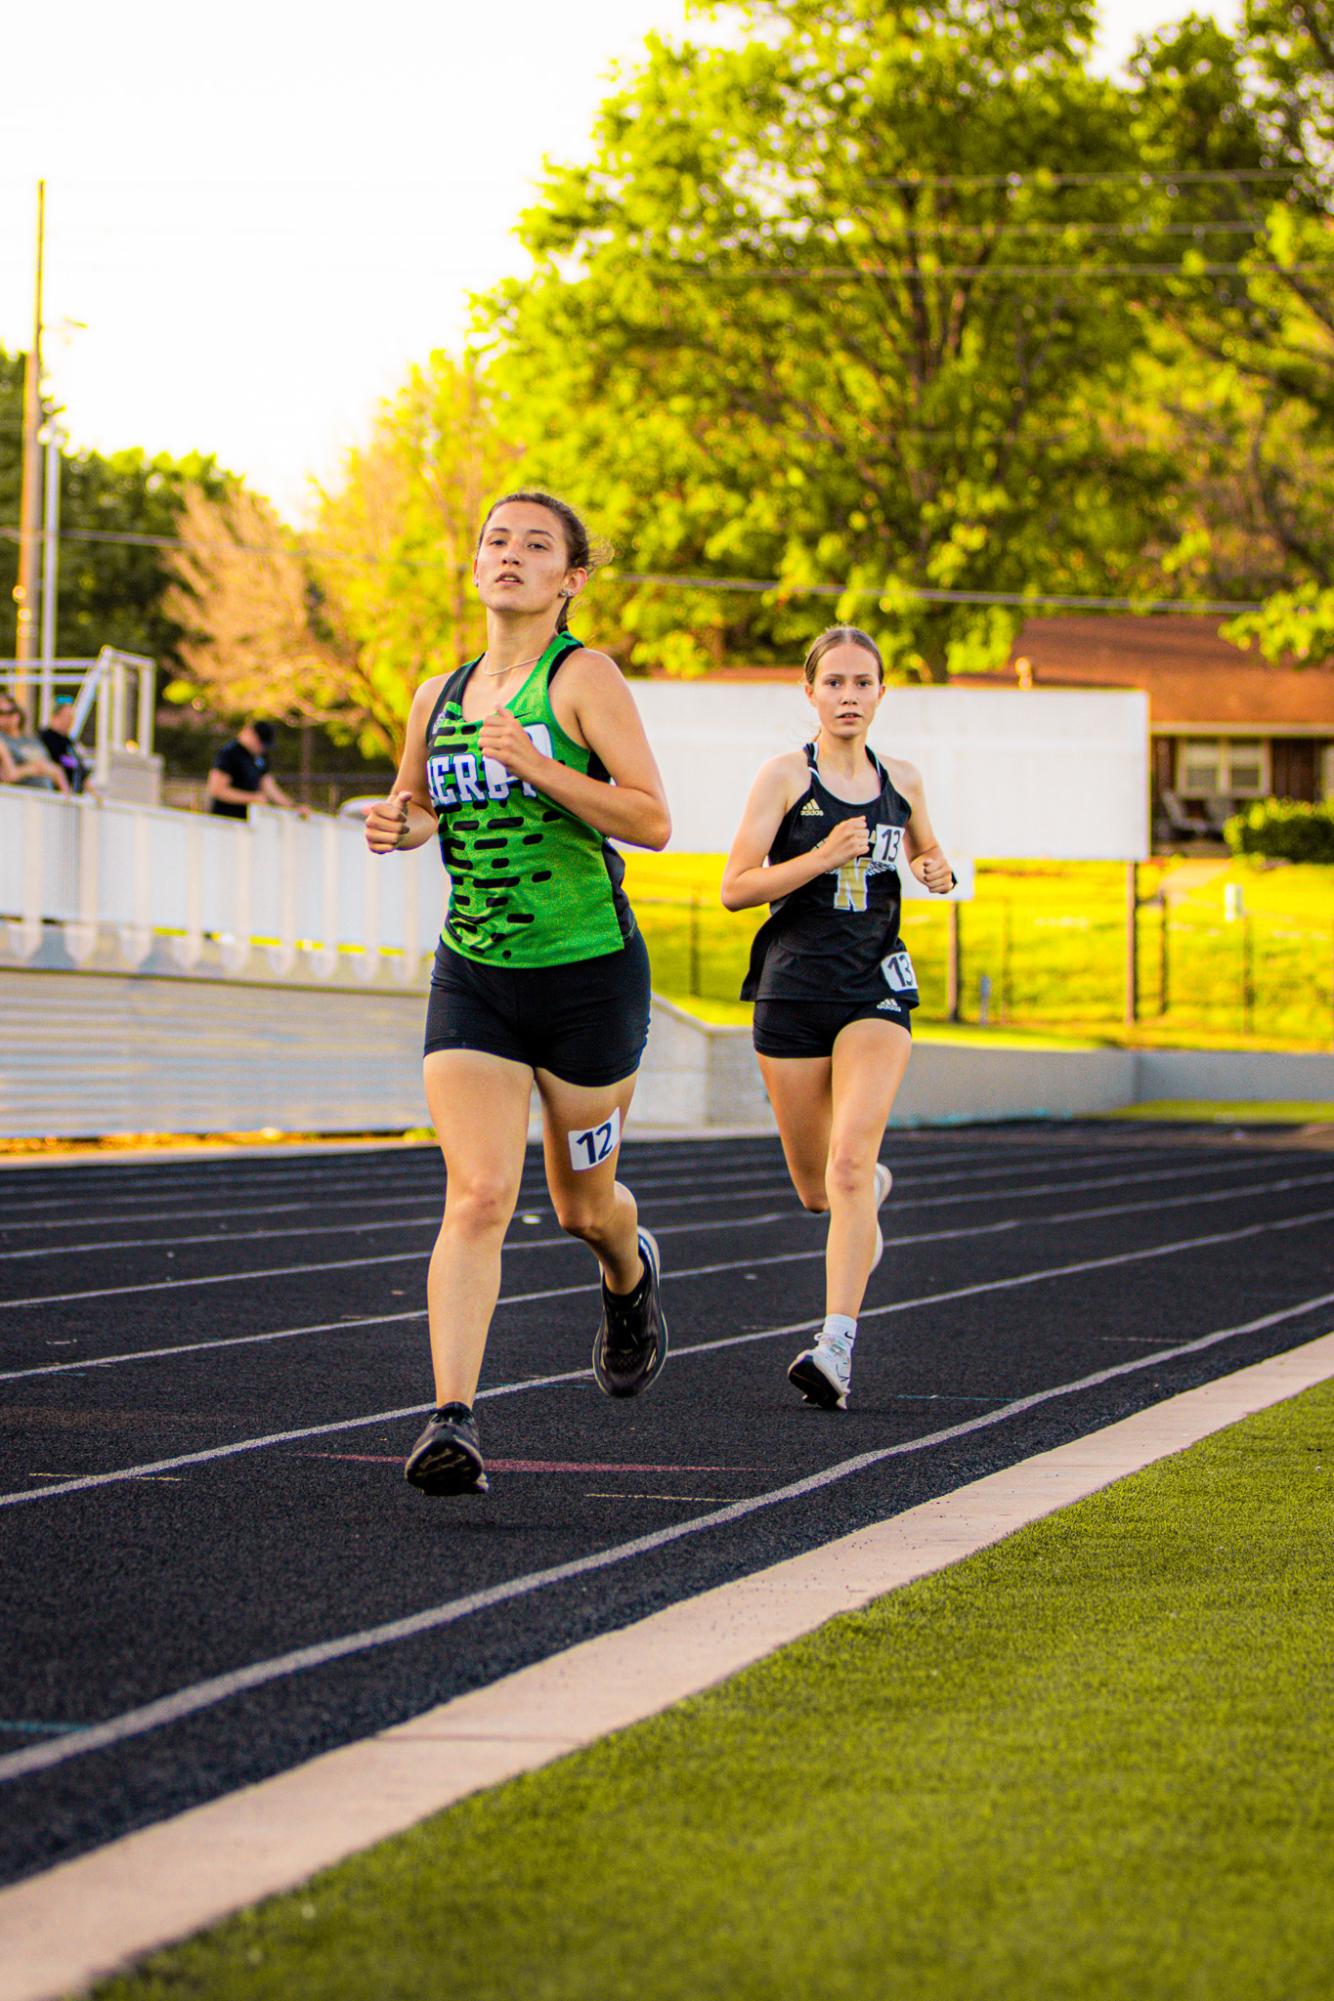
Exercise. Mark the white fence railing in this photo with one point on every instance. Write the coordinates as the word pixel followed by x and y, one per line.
pixel 273 895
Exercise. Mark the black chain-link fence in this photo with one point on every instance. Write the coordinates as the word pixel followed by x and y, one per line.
pixel 1025 964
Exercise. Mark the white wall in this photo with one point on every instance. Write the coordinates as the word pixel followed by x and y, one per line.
pixel 1061 774
pixel 86 1053
pixel 298 895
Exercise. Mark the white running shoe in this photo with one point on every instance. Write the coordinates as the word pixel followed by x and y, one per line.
pixel 884 1181
pixel 823 1374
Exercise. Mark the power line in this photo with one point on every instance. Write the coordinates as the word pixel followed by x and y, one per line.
pixel 1233 226
pixel 750 586
pixel 1203 607
pixel 1128 177
pixel 845 273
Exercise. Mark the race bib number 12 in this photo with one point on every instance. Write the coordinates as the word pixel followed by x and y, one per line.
pixel 596 1144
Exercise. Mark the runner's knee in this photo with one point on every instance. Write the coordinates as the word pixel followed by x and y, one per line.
pixel 584 1215
pixel 479 1205
pixel 850 1172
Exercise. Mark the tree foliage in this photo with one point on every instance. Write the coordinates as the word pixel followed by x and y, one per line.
pixel 846 302
pixel 110 592
pixel 338 626
pixel 1250 367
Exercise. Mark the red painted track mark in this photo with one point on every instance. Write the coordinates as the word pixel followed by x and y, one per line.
pixel 535 1465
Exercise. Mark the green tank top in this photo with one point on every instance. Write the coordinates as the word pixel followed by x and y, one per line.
pixel 531 884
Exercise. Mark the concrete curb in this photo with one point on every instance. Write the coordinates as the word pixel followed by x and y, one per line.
pixel 87 1918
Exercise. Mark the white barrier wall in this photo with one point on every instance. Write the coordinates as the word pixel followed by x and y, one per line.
pixel 93 1053
pixel 260 894
pixel 1010 773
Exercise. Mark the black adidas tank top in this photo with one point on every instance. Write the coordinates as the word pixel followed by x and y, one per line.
pixel 837 937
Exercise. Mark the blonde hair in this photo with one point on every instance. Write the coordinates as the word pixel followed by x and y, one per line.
pixel 841 635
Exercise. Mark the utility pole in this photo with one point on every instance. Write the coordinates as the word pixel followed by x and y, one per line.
pixel 52 440
pixel 30 509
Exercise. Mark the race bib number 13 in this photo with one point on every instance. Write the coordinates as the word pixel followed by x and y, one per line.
pixel 899 975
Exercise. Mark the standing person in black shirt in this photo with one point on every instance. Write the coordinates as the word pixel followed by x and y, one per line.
pixel 832 984
pixel 241 775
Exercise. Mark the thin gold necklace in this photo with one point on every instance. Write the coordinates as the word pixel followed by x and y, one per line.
pixel 497 673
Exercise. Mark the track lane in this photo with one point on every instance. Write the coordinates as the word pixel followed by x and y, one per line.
pixel 240 1560
pixel 734 1189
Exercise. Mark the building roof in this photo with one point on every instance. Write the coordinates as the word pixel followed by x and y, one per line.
pixel 1195 679
pixel 1193 676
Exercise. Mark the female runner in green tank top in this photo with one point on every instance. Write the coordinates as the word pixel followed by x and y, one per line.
pixel 524 762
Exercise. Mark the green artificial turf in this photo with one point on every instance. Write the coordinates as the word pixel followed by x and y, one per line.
pixel 1092 1762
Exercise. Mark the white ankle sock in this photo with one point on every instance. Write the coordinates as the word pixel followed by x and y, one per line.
pixel 839 1331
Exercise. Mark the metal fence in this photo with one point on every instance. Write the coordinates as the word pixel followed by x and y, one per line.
pixel 1057 968
pixel 305 899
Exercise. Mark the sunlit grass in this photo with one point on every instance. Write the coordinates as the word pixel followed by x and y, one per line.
pixel 1091 1763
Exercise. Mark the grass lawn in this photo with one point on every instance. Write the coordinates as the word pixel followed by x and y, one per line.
pixel 1095 1763
pixel 1045 942
pixel 1242 1112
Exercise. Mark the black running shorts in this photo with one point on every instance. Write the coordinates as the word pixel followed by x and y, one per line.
pixel 809 1028
pixel 586 1022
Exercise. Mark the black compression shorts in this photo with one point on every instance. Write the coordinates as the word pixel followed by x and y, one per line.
pixel 809 1027
pixel 586 1022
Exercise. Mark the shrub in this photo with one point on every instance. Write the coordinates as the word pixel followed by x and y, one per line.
pixel 1286 829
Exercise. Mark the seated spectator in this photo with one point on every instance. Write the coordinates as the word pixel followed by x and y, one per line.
pixel 241 775
pixel 61 746
pixel 27 754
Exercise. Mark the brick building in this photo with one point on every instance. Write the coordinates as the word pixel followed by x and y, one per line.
pixel 1226 727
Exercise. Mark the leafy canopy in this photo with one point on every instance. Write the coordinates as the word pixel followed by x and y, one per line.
pixel 827 306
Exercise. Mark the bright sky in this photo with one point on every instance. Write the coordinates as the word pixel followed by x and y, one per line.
pixel 263 213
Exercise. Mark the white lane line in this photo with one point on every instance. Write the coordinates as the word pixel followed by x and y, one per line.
pixel 415 1255
pixel 736 1190
pixel 207 1694
pixel 357 1264
pixel 751 1182
pixel 87 1481
pixel 1050 1148
pixel 1000 1227
pixel 773 1181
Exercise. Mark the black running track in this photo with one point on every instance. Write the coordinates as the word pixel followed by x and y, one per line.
pixel 211 1369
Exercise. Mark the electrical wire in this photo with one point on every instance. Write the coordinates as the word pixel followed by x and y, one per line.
pixel 1126 177
pixel 827 274
pixel 749 586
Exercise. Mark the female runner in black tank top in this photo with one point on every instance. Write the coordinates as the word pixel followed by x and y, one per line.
pixel 833 987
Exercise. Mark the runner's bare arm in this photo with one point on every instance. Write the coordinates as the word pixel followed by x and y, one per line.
pixel 925 856
pixel 406 819
pixel 747 879
pixel 593 705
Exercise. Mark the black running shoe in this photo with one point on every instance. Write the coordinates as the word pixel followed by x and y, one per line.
pixel 631 1344
pixel 447 1458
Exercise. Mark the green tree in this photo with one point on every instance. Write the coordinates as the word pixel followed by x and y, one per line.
pixel 1254 360
pixel 338 627
pixel 836 303
pixel 11 472
pixel 110 591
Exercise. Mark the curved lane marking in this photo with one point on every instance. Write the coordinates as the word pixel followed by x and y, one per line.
pixel 90 1480
pixel 201 1695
